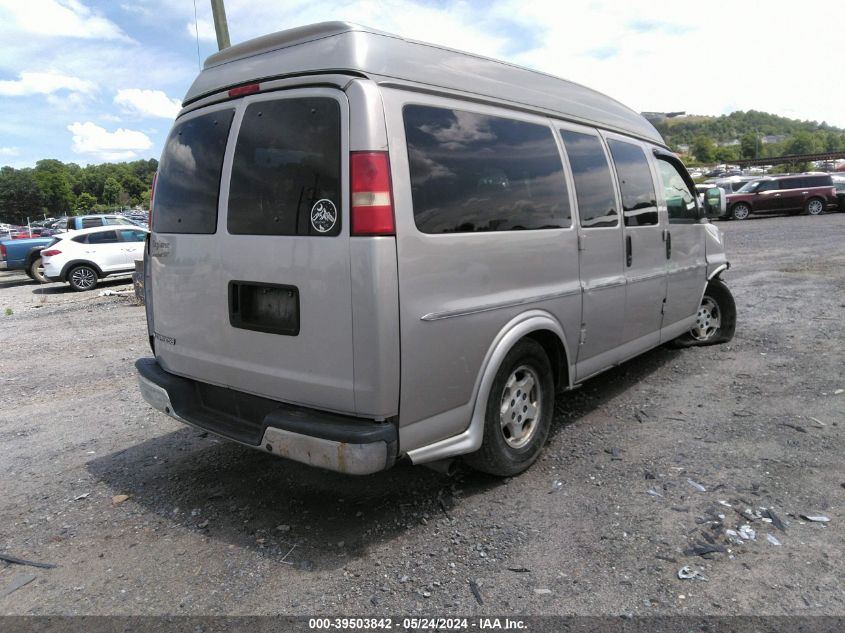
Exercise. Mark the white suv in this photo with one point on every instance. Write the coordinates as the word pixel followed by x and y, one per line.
pixel 83 257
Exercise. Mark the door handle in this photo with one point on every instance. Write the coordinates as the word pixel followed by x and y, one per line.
pixel 628 253
pixel 668 245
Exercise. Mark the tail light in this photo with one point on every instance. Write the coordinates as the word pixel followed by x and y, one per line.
pixel 372 197
pixel 3 251
pixel 152 197
pixel 51 252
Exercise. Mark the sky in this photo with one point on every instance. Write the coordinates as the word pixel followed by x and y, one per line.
pixel 90 81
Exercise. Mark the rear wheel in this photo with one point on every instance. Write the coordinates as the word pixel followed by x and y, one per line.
pixel 814 206
pixel 740 211
pixel 82 277
pixel 36 271
pixel 519 412
pixel 715 321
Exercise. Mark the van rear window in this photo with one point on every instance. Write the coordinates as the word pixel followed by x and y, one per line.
pixel 188 182
pixel 472 172
pixel 286 170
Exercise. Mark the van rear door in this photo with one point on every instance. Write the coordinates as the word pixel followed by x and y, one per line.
pixel 250 249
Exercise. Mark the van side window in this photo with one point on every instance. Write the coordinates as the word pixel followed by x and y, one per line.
pixel 593 182
pixel 188 182
pixel 680 203
pixel 638 198
pixel 287 169
pixel 472 172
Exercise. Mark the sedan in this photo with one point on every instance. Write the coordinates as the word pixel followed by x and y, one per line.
pixel 82 258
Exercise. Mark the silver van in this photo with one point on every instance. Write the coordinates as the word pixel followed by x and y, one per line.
pixel 366 248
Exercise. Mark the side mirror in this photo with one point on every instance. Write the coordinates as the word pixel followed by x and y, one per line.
pixel 715 203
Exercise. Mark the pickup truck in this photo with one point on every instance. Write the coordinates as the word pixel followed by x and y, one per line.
pixel 24 255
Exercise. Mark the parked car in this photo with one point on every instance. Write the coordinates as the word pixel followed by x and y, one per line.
pixel 24 254
pixel 83 257
pixel 77 222
pixel 411 211
pixel 811 193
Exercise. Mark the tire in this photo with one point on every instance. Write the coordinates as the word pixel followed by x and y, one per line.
pixel 82 277
pixel 715 319
pixel 740 211
pixel 36 271
pixel 511 444
pixel 814 206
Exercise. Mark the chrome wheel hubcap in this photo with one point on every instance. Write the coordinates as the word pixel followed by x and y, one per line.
pixel 521 405
pixel 707 320
pixel 815 207
pixel 741 212
pixel 83 278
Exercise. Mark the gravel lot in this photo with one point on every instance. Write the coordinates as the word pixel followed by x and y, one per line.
pixel 644 463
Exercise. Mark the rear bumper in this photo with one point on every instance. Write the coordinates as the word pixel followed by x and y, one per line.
pixel 340 443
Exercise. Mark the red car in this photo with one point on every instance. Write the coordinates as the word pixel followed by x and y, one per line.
pixel 811 193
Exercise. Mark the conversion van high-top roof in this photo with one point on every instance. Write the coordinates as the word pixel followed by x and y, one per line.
pixel 366 248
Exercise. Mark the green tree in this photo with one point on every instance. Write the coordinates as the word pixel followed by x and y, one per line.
pixel 726 154
pixel 750 145
pixel 703 148
pixel 84 203
pixel 20 196
pixel 52 178
pixel 802 142
pixel 111 190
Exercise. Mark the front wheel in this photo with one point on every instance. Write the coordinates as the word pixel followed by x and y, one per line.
pixel 36 271
pixel 519 412
pixel 82 278
pixel 715 320
pixel 814 206
pixel 741 211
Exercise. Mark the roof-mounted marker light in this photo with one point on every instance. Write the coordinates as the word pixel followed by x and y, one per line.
pixel 241 91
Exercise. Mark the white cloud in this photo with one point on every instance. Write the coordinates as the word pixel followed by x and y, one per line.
pixel 203 28
pixel 9 151
pixel 45 83
pixel 154 103
pixel 65 18
pixel 122 144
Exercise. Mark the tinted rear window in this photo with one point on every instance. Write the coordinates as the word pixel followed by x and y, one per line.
pixel 286 169
pixel 472 172
pixel 188 181
pixel 638 198
pixel 593 182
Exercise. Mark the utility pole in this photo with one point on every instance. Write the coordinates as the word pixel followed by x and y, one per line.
pixel 221 26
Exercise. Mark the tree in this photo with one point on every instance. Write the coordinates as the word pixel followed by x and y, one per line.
pixel 111 190
pixel 703 148
pixel 84 203
pixel 750 145
pixel 803 142
pixel 20 196
pixel 52 179
pixel 726 154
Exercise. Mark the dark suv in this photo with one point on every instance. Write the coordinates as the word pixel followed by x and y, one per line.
pixel 810 193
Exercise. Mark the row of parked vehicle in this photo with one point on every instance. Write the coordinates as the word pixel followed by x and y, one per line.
pixel 91 247
pixel 810 193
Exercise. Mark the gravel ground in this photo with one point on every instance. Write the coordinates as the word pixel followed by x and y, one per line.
pixel 645 464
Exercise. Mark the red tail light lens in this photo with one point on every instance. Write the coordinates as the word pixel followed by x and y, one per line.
pixel 241 91
pixel 372 196
pixel 51 252
pixel 2 251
